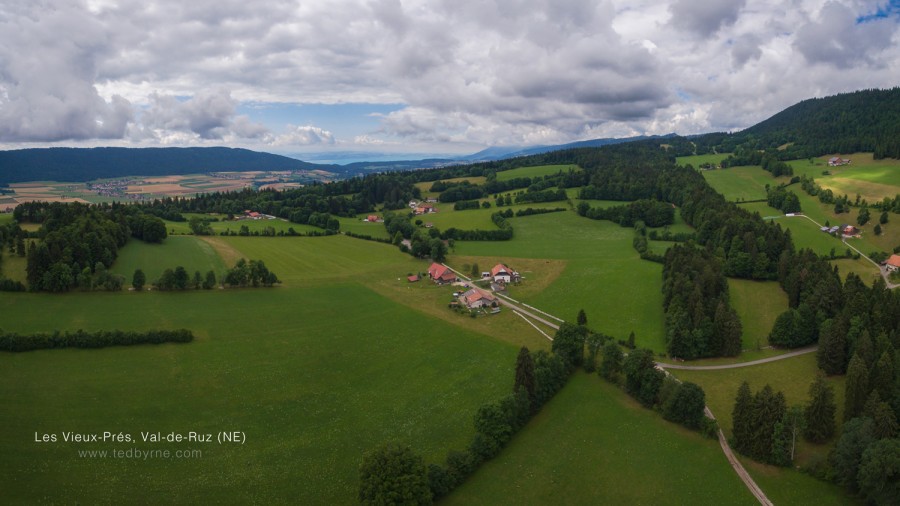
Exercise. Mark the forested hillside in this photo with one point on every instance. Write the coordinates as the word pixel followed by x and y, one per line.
pixel 76 165
pixel 867 120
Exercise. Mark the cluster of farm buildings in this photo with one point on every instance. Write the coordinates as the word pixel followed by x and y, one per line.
pixel 845 230
pixel 474 297
pixel 836 161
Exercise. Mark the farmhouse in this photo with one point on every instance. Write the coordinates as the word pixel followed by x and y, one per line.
pixel 478 298
pixel 502 273
pixel 425 209
pixel 836 161
pixel 893 263
pixel 849 230
pixel 373 218
pixel 441 274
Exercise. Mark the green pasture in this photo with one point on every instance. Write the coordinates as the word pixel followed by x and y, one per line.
pixel 358 225
pixel 698 160
pixel 791 376
pixel 860 266
pixel 758 304
pixel 807 234
pixel 191 253
pixel 872 179
pixel 6 218
pixel 535 171
pixel 740 183
pixel 425 186
pixel 480 219
pixel 603 275
pixel 592 444
pixel 225 225
pixel 302 372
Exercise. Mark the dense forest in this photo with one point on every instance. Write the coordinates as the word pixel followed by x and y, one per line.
pixel 80 241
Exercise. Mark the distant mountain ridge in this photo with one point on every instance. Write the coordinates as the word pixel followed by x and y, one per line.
pixel 502 153
pixel 87 164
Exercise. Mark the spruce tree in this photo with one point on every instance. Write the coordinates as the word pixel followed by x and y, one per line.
pixel 857 388
pixel 582 318
pixel 820 411
pixel 525 374
pixel 832 353
pixel 885 422
pixel 740 418
pixel 883 376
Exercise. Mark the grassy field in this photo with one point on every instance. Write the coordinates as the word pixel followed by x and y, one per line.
pixel 594 445
pixel 698 160
pixel 871 179
pixel 721 386
pixel 603 275
pixel 749 183
pixel 358 225
pixel 471 219
pixel 300 369
pixel 535 171
pixel 182 227
pixel 191 253
pixel 793 377
pixel 740 183
pixel 425 186
pixel 758 303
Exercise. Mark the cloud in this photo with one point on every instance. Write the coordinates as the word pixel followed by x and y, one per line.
pixel 303 136
pixel 836 38
pixel 46 80
pixel 705 18
pixel 466 71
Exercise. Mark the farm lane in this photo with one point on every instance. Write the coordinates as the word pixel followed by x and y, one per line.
pixel 738 467
pixel 506 302
pixel 881 269
pixel 801 351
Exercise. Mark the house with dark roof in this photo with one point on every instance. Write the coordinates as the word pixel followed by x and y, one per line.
pixel 441 274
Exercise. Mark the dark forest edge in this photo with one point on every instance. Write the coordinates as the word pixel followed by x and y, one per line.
pixel 13 342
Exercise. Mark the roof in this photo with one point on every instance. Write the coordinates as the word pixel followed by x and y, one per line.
pixel 412 279
pixel 894 261
pixel 476 294
pixel 500 269
pixel 438 271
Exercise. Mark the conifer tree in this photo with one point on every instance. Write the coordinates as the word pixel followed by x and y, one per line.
pixel 857 388
pixel 740 418
pixel 525 374
pixel 820 411
pixel 832 353
pixel 883 376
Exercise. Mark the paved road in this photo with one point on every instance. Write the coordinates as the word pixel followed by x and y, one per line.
pixel 801 351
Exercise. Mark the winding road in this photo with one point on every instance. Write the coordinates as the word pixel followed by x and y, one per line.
pixel 801 351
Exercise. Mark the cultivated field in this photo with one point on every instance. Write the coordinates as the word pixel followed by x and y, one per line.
pixel 189 252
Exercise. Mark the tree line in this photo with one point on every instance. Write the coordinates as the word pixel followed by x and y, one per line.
pixel 652 213
pixel 14 342
pixel 74 237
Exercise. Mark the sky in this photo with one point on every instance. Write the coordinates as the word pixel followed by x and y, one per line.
pixel 314 79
